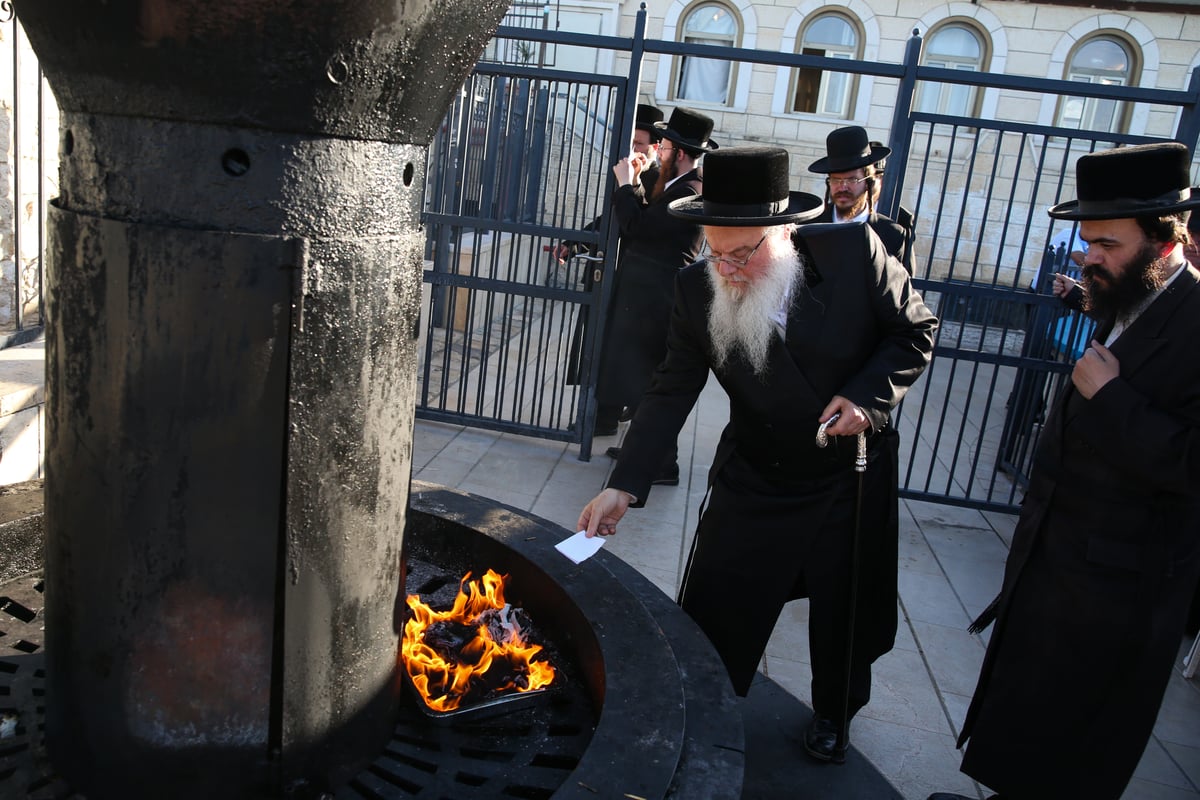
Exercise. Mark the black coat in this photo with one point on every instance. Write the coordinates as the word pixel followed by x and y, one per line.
pixel 653 247
pixel 627 216
pixel 897 240
pixel 1098 583
pixel 858 329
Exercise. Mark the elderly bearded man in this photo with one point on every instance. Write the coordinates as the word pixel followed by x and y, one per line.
pixel 1106 554
pixel 796 334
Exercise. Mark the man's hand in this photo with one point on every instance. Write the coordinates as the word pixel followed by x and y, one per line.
pixel 629 170
pixel 601 515
pixel 625 172
pixel 641 163
pixel 853 420
pixel 1063 284
pixel 561 253
pixel 1096 367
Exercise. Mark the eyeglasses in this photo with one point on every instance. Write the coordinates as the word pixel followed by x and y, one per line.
pixel 845 183
pixel 737 263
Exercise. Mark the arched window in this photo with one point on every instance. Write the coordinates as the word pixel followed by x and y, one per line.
pixel 705 79
pixel 1102 59
pixel 952 46
pixel 822 91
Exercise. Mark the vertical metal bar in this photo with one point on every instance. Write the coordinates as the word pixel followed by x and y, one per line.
pixel 901 134
pixel 627 96
pixel 18 315
pixel 537 148
pixel 41 195
pixel 1188 131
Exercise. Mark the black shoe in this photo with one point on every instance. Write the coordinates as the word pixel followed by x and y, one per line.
pixel 821 741
pixel 613 452
pixel 626 415
pixel 667 476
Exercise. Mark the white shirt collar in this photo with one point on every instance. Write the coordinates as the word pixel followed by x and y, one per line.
pixel 859 217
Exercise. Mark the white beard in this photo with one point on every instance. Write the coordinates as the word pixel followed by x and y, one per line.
pixel 739 319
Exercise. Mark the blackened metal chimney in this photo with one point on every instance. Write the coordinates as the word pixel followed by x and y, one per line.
pixel 233 290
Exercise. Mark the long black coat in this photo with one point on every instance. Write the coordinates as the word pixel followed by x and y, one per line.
pixel 1104 560
pixel 654 246
pixel 628 215
pixel 858 329
pixel 896 239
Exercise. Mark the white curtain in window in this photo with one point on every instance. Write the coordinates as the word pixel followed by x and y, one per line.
pixel 704 79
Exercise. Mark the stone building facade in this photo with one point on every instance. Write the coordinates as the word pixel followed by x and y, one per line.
pixel 1144 44
pixel 1149 44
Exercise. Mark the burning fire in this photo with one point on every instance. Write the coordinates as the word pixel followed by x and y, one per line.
pixel 476 651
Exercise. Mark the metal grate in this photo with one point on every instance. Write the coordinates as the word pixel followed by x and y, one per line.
pixel 24 769
pixel 525 754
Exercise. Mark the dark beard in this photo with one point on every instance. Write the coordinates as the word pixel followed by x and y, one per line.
pixel 668 170
pixel 1122 293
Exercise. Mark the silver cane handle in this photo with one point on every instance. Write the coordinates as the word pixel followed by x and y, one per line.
pixel 860 458
pixel 822 437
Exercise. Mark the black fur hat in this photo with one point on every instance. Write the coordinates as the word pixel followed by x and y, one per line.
pixel 647 115
pixel 847 149
pixel 688 128
pixel 1145 179
pixel 747 187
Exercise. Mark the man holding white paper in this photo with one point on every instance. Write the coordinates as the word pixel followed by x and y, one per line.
pixel 799 324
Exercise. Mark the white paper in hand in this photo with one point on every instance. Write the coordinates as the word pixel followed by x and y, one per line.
pixel 579 548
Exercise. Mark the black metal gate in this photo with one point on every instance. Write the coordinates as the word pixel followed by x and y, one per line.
pixel 987 253
pixel 520 167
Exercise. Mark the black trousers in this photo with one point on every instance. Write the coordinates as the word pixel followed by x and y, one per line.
pixel 755 544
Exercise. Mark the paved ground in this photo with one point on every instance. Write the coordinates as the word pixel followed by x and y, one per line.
pixel 951 561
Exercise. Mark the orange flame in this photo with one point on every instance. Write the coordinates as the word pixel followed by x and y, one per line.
pixel 444 684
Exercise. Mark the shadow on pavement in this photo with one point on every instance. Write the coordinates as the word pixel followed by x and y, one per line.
pixel 777 767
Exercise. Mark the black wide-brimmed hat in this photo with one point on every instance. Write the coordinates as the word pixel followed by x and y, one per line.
pixel 847 149
pixel 1145 179
pixel 747 187
pixel 647 116
pixel 688 128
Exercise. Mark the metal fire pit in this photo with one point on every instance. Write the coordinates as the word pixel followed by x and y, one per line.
pixel 644 708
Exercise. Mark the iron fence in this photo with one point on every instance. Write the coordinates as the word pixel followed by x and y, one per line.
pixel 510 332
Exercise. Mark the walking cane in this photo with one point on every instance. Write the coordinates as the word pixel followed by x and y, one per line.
pixel 860 466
